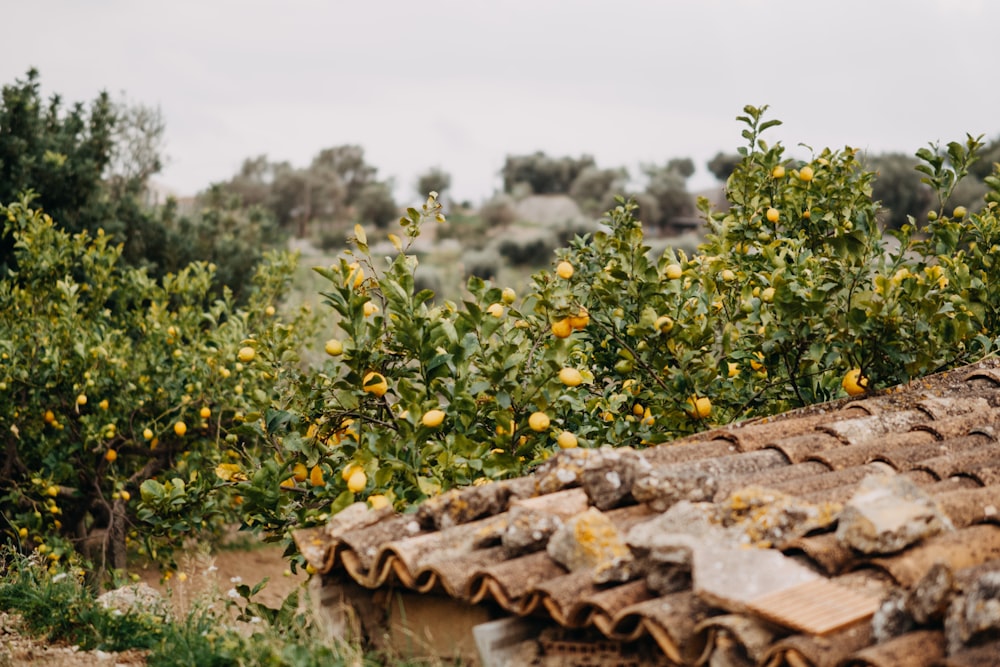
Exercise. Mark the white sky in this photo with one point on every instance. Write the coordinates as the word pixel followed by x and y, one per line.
pixel 461 83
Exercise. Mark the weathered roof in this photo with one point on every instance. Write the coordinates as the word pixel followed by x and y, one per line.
pixel 858 532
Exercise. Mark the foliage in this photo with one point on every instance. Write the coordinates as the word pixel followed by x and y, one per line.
pixel 594 189
pixel 136 148
pixel 90 169
pixel 529 249
pixel 60 154
pixel 899 189
pixel 794 287
pixel 337 186
pixel 723 164
pixel 989 157
pixel 59 607
pixel 667 186
pixel 498 211
pixel 233 237
pixel 433 180
pixel 375 205
pixel 54 603
pixel 543 174
pixel 122 394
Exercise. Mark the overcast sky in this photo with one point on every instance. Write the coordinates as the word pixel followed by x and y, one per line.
pixel 461 83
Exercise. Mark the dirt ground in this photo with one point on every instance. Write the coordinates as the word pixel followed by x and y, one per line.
pixel 216 573
pixel 207 574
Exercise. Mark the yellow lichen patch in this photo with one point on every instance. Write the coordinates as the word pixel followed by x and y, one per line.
pixel 598 538
pixel 766 516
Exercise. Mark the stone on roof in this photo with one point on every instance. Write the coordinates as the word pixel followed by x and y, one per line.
pixel 860 532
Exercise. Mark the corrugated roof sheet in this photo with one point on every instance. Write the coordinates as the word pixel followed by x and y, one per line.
pixel 777 486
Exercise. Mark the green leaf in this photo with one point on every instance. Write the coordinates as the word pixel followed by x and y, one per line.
pixel 151 491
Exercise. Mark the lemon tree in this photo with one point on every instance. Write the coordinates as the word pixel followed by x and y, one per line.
pixel 120 395
pixel 794 289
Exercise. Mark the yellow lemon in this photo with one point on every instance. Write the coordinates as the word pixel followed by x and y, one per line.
pixel 567 440
pixel 508 295
pixel 205 412
pixel 334 347
pixel 538 421
pixel 316 476
pixel 81 399
pixel 378 501
pixel 564 270
pixel 959 212
pixel 778 172
pixel 699 407
pixel 374 383
pixel 674 271
pixel 570 377
pixel 111 456
pixel 432 418
pixel 348 470
pixel 357 481
pixel 180 428
pixel 806 173
pixel 580 320
pixel 370 309
pixel 495 309
pixel 562 328
pixel 664 323
pixel 854 383
pixel 246 354
pixel 772 214
pixel 301 473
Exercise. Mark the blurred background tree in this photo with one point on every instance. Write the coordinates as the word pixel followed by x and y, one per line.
pixel 667 186
pixel 91 167
pixel 594 189
pixel 899 189
pixel 337 187
pixel 541 174
pixel 722 165
pixel 434 179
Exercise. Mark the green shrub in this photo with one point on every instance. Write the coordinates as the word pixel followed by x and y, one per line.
pixel 122 394
pixel 793 289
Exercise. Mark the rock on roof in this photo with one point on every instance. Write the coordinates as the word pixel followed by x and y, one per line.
pixel 858 532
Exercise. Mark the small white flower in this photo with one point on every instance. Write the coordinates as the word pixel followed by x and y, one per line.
pixel 59 577
pixel 232 593
pixel 211 568
pixel 235 580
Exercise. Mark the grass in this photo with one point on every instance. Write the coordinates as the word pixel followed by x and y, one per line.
pixel 231 630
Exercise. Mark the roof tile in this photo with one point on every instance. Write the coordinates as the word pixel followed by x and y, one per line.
pixel 963 548
pixel 916 649
pixel 694 587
